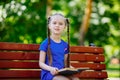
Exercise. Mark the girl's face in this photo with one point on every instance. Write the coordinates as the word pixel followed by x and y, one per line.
pixel 57 24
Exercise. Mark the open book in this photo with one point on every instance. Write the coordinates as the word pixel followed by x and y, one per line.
pixel 71 71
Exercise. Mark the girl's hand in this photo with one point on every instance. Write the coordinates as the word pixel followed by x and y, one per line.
pixel 54 71
pixel 71 66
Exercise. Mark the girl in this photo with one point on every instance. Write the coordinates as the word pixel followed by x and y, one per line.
pixel 53 50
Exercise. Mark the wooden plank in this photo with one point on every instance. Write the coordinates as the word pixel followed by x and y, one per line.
pixel 18 46
pixel 18 64
pixel 87 57
pixel 35 65
pixel 83 49
pixel 92 74
pixel 36 74
pixel 93 66
pixel 19 55
pixel 35 56
pixel 22 79
pixel 19 74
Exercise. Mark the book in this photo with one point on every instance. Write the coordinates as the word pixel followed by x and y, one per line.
pixel 70 71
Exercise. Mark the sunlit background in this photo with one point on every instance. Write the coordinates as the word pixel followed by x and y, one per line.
pixel 91 21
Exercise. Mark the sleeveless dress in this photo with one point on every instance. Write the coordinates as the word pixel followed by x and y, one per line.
pixel 58 51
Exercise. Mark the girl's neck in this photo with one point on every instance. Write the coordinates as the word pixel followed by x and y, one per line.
pixel 56 38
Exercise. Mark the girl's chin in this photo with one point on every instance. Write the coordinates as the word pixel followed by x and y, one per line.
pixel 57 33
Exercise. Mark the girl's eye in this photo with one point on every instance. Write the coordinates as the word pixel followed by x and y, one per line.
pixel 60 23
pixel 54 22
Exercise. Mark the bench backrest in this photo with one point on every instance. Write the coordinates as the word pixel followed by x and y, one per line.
pixel 20 61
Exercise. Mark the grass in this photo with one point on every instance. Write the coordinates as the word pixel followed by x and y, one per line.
pixel 113 71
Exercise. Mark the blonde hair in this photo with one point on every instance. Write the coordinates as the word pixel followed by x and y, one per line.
pixel 48 35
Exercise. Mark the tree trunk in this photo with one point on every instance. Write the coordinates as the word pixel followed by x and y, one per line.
pixel 49 8
pixel 85 24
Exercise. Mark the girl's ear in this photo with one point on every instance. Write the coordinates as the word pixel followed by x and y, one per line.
pixel 65 27
pixel 49 26
pixel 48 20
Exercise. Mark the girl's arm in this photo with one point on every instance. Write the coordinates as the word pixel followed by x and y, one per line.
pixel 43 65
pixel 65 61
pixel 66 55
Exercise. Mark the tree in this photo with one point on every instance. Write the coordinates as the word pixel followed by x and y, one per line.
pixel 49 7
pixel 20 19
pixel 85 23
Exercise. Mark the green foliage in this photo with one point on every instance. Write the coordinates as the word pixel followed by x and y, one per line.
pixel 113 70
pixel 113 74
pixel 23 21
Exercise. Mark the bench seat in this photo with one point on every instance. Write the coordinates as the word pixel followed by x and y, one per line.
pixel 20 61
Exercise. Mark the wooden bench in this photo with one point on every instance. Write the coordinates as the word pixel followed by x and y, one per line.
pixel 20 61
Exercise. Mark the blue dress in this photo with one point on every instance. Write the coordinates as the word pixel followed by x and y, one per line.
pixel 58 50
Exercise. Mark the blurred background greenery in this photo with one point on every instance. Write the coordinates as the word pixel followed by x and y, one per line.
pixel 91 21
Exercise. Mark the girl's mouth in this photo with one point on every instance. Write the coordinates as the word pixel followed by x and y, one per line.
pixel 57 29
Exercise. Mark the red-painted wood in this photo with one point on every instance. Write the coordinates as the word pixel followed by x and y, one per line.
pixel 92 74
pixel 36 74
pixel 19 55
pixel 19 61
pixel 87 57
pixel 20 46
pixel 19 74
pixel 19 64
pixel 92 66
pixel 22 79
pixel 34 65
pixel 83 49
pixel 35 56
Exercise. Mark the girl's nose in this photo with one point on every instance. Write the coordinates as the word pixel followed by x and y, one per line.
pixel 57 25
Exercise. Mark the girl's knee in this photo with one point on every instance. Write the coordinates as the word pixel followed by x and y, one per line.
pixel 73 78
pixel 60 78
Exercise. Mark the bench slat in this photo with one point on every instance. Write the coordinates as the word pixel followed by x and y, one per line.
pixel 19 65
pixel 34 65
pixel 19 74
pixel 93 66
pixel 22 79
pixel 36 74
pixel 87 57
pixel 35 56
pixel 20 55
pixel 18 46
pixel 92 74
pixel 30 47
pixel 83 49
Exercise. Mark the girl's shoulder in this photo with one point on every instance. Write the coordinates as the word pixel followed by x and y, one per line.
pixel 44 45
pixel 64 42
pixel 45 41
